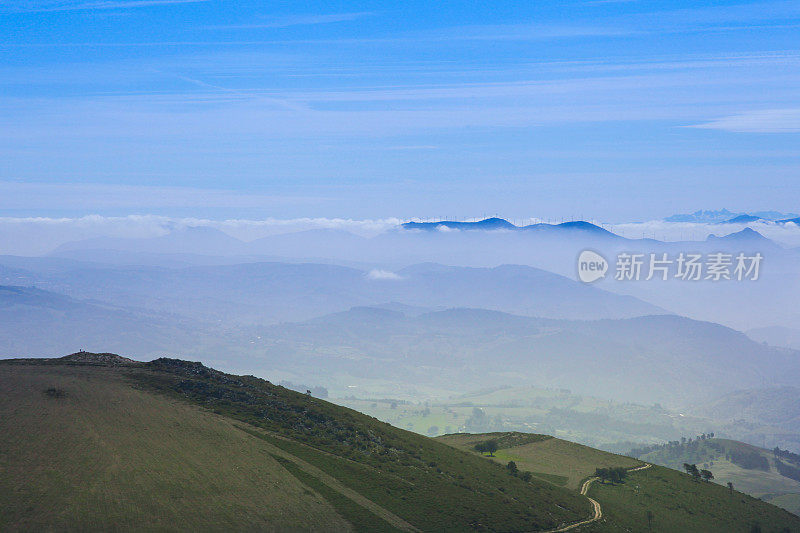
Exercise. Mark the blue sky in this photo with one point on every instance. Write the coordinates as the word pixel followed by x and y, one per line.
pixel 613 110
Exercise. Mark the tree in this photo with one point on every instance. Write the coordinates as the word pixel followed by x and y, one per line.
pixel 730 487
pixel 526 476
pixel 692 470
pixel 480 447
pixel 603 474
pixel 706 475
pixel 491 447
pixel 512 468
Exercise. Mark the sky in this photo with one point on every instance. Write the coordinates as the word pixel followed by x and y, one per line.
pixel 610 110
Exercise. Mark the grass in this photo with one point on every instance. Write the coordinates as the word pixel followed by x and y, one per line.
pixel 567 463
pixel 105 456
pixel 710 454
pixel 174 445
pixel 140 431
pixel 359 517
pixel 679 503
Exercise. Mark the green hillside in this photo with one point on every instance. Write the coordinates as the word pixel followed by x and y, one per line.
pixel 677 502
pixel 559 461
pixel 175 445
pixel 99 442
pixel 752 470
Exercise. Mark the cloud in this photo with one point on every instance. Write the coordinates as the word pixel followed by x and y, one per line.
pixel 45 7
pixel 40 235
pixel 298 20
pixel 383 275
pixel 764 121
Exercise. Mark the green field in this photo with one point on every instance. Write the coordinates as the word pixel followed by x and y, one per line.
pixel 549 458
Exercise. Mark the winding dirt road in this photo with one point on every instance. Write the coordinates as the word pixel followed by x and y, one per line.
pixel 598 511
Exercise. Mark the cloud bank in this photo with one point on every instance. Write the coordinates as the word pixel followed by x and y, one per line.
pixel 41 235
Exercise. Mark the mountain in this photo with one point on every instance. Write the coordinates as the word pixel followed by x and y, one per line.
pixel 270 292
pixel 97 443
pixel 725 216
pixel 667 359
pixel 311 243
pixel 765 474
pixel 702 216
pixel 201 240
pixel 572 229
pixel 773 405
pixel 42 323
pixel 776 336
pixel 495 224
pixel 747 237
pixel 489 224
pixel 743 219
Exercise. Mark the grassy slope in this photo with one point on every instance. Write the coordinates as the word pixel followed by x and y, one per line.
pixel 677 502
pixel 95 458
pixel 390 472
pixel 767 485
pixel 680 504
pixel 548 457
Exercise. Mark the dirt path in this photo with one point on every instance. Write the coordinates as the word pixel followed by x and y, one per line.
pixel 333 483
pixel 598 511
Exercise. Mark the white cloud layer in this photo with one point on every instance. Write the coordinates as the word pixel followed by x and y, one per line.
pixel 41 235
pixel 765 121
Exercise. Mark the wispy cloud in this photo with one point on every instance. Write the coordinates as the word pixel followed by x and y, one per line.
pixel 43 7
pixel 297 20
pixel 383 275
pixel 764 121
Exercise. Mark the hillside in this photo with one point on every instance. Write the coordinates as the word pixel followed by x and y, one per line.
pixel 753 470
pixel 47 323
pixel 676 501
pixel 667 359
pixel 271 458
pixel 95 441
pixel 776 405
pixel 272 292
pixel 558 461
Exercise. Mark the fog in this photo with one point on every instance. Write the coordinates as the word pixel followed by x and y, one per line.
pixel 369 308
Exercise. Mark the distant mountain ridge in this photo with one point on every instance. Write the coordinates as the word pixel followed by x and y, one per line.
pixel 725 216
pixel 497 224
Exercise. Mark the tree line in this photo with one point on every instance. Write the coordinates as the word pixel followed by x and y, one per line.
pixel 616 474
pixel 697 474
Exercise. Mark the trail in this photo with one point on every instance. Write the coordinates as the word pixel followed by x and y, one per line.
pixel 598 511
